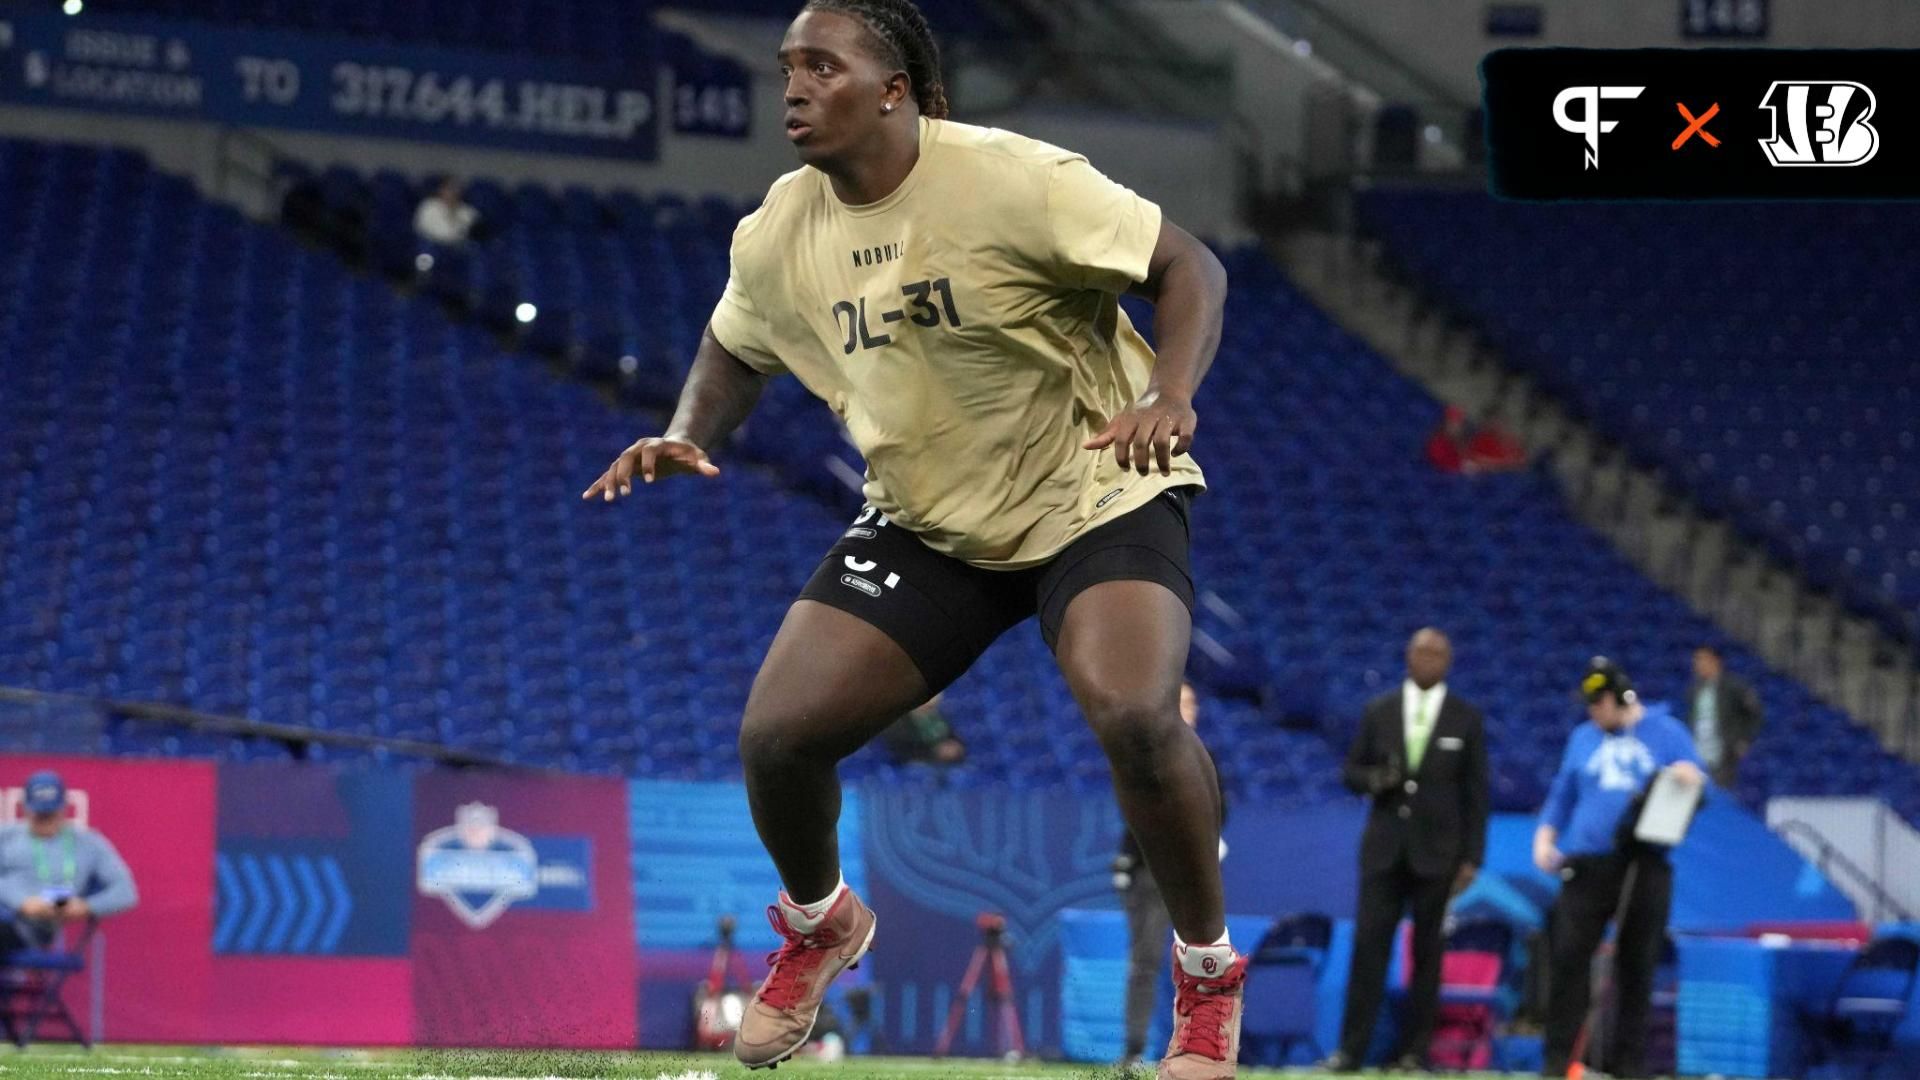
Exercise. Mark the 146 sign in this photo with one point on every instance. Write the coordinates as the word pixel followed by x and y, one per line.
pixel 1723 18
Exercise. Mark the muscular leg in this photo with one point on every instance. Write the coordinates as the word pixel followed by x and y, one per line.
pixel 1122 648
pixel 830 683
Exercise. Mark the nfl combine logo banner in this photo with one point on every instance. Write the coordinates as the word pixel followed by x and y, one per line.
pixel 1703 124
pixel 481 868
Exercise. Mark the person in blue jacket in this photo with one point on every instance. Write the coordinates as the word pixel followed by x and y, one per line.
pixel 1610 761
pixel 53 872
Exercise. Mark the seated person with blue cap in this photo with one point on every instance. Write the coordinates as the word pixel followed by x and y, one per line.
pixel 53 872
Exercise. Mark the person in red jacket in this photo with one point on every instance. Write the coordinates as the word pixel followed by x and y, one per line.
pixel 1459 446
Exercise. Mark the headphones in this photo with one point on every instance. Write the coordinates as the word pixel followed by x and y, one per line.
pixel 1604 675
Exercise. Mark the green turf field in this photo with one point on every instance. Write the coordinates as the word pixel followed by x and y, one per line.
pixel 277 1064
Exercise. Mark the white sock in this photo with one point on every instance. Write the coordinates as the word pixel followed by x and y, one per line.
pixel 1204 961
pixel 807 918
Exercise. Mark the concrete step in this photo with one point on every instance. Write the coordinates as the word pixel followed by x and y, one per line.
pixel 1846 661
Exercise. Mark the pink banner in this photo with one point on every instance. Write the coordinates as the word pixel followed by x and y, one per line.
pixel 319 1001
pixel 305 905
pixel 523 913
pixel 158 985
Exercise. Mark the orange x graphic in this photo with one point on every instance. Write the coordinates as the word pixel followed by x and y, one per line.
pixel 1698 126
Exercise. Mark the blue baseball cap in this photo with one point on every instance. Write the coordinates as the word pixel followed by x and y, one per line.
pixel 46 793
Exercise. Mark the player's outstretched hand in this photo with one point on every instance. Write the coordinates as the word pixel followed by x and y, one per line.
pixel 1149 433
pixel 650 459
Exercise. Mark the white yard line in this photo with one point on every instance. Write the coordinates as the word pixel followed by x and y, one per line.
pixel 212 1055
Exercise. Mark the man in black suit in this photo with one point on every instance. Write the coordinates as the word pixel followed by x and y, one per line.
pixel 1724 715
pixel 1421 754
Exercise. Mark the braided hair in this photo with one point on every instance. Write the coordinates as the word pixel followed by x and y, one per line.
pixel 905 40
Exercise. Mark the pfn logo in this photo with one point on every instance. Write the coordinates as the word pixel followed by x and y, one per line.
pixel 1826 124
pixel 1589 125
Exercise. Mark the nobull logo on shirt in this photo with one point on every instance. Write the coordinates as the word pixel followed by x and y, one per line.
pixel 879 253
pixel 481 868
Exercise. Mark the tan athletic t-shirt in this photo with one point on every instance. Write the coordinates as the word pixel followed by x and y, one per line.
pixel 967 330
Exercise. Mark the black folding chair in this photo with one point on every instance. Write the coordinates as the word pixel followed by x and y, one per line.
pixel 1283 976
pixel 30 984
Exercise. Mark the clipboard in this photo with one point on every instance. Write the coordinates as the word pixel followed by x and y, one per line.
pixel 1668 810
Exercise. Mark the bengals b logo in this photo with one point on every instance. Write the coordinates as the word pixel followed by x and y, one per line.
pixel 1820 124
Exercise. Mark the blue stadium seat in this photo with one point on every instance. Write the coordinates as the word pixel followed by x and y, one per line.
pixel 1775 407
pixel 235 476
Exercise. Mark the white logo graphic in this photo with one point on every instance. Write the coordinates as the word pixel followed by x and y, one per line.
pixel 477 867
pixel 1826 124
pixel 1622 764
pixel 862 566
pixel 1589 125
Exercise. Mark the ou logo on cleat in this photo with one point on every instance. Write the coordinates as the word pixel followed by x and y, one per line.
pixel 1209 965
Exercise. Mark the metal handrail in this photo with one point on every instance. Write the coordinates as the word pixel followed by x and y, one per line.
pixel 1827 854
pixel 147 712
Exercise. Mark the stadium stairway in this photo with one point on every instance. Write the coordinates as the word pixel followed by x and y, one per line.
pixel 1749 592
pixel 1776 412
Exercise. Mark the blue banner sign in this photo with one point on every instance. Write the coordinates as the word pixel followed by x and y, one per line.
pixel 712 95
pixel 194 71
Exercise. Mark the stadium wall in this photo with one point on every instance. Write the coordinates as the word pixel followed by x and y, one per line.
pixel 68 95
pixel 1190 173
pixel 1445 40
pixel 304 904
pixel 1864 832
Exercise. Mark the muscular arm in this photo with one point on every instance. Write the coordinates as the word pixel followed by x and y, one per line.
pixel 1188 289
pixel 719 393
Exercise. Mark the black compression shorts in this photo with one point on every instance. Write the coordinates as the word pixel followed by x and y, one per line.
pixel 945 612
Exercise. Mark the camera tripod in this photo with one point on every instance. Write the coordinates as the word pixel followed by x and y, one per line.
pixel 992 951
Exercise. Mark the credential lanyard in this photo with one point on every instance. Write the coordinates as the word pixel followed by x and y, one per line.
pixel 69 863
